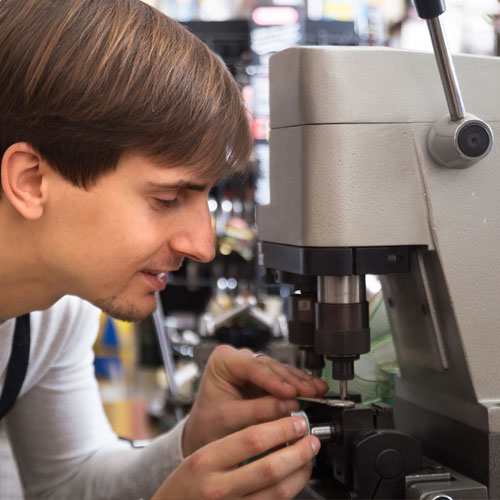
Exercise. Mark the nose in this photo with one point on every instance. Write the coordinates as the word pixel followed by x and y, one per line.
pixel 194 238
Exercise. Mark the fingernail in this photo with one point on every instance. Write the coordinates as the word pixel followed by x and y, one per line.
pixel 300 426
pixel 286 384
pixel 315 444
pixel 306 382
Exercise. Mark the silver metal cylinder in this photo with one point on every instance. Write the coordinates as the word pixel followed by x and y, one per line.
pixel 322 432
pixel 341 289
pixel 446 70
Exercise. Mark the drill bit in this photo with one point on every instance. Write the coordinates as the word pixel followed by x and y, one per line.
pixel 343 389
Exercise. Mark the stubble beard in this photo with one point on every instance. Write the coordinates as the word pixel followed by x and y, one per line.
pixel 124 311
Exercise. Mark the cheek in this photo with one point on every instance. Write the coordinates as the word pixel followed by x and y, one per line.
pixel 105 235
pixel 93 238
pixel 135 240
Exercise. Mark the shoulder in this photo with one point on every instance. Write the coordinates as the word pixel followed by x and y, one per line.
pixel 69 312
pixel 70 324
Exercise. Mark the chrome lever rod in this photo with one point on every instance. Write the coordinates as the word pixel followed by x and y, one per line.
pixel 446 70
pixel 166 352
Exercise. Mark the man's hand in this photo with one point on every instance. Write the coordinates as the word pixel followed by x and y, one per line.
pixel 238 390
pixel 212 472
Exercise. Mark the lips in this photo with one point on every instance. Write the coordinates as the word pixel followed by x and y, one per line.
pixel 157 279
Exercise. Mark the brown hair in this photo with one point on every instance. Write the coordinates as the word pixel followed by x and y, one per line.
pixel 86 81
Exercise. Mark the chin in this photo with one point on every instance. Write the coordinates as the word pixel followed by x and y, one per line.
pixel 126 309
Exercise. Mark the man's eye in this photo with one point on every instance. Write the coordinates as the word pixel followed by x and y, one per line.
pixel 167 203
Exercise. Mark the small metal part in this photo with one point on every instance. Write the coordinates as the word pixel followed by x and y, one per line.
pixel 302 414
pixel 323 432
pixel 343 389
pixel 336 403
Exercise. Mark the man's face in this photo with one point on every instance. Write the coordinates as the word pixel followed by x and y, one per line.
pixel 114 243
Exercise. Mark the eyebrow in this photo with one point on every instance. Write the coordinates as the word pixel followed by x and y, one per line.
pixel 177 185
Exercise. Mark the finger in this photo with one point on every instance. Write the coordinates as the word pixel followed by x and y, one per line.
pixel 240 367
pixel 275 467
pixel 246 368
pixel 305 383
pixel 288 487
pixel 253 441
pixel 237 415
pixel 320 384
pixel 302 381
pixel 266 372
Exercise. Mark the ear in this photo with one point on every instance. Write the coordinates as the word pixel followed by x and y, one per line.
pixel 23 179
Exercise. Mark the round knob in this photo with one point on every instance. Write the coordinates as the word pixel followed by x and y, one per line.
pixel 474 139
pixel 390 463
pixel 460 144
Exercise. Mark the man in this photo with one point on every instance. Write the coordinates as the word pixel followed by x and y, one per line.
pixel 114 124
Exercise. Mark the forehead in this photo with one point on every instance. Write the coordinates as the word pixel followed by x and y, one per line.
pixel 148 172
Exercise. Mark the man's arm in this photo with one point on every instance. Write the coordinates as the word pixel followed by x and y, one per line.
pixel 66 448
pixel 237 417
pixel 61 438
pixel 228 468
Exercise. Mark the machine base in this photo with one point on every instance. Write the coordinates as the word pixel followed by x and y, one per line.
pixel 468 450
pixel 433 482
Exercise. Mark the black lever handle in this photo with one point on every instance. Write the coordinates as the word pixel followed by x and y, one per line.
pixel 429 9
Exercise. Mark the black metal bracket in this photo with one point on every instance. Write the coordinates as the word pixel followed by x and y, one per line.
pixel 335 261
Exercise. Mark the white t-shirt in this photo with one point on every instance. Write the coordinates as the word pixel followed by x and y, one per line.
pixel 60 436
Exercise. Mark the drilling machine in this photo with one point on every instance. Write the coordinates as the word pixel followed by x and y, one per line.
pixel 373 172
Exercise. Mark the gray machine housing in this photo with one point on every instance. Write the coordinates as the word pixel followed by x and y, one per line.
pixel 350 167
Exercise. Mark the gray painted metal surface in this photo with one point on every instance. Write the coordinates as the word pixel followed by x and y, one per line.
pixel 350 166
